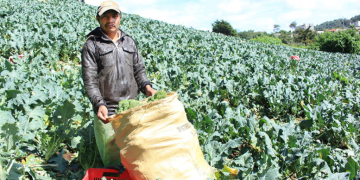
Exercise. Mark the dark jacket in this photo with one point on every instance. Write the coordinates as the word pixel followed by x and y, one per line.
pixel 111 74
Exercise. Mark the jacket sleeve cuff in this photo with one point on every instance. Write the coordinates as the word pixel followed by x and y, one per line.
pixel 143 85
pixel 100 103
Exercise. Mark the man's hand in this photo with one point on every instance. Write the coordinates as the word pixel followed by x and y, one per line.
pixel 102 114
pixel 149 90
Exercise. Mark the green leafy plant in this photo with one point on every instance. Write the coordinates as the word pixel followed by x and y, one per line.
pixel 252 109
pixel 347 41
pixel 268 40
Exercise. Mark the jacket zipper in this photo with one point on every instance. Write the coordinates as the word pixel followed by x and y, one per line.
pixel 118 59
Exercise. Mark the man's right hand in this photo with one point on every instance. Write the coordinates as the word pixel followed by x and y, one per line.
pixel 102 114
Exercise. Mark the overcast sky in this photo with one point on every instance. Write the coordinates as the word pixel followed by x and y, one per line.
pixel 243 15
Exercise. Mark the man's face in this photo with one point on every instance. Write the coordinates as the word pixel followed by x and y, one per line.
pixel 109 21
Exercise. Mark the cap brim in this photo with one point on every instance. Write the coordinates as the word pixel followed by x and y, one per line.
pixel 104 9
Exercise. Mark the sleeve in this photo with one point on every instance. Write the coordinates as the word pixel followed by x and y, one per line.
pixel 89 75
pixel 140 71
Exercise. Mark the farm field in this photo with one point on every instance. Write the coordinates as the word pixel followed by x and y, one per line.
pixel 258 113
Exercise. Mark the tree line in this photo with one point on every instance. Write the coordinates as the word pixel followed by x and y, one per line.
pixel 337 23
pixel 345 41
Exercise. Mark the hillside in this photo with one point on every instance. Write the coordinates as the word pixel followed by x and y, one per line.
pixel 336 23
pixel 255 109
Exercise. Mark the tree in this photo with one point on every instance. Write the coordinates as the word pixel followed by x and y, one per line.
pixel 355 18
pixel 333 24
pixel 223 27
pixel 276 27
pixel 293 25
pixel 343 41
pixel 305 36
pixel 285 37
pixel 250 34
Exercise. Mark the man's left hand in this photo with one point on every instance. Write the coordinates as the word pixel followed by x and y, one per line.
pixel 149 90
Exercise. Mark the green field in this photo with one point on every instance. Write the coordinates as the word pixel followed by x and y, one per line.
pixel 255 109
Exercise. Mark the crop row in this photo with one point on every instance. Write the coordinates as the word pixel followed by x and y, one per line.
pixel 255 109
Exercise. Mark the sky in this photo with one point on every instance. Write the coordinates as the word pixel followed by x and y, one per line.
pixel 243 15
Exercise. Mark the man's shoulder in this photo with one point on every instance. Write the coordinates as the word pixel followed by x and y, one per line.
pixel 127 39
pixel 94 33
pixel 91 39
pixel 89 43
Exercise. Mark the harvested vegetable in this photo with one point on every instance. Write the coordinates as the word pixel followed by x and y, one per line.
pixel 127 104
pixel 131 103
pixel 157 96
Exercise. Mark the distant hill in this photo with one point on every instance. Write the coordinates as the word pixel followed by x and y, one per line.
pixel 337 23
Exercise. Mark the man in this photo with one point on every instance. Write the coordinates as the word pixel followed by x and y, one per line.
pixel 112 71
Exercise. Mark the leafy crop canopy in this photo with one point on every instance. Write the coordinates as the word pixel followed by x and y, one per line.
pixel 255 110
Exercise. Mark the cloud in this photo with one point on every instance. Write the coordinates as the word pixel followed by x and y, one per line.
pixel 316 11
pixel 263 24
pixel 304 4
pixel 179 17
pixel 125 4
pixel 241 18
pixel 297 15
pixel 93 2
pixel 157 14
pixel 190 14
pixel 142 2
pixel 320 4
pixel 232 6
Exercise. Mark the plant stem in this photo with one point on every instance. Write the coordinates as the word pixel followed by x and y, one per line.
pixel 45 165
pixel 10 166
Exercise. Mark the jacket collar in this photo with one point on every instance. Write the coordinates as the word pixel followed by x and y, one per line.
pixel 98 33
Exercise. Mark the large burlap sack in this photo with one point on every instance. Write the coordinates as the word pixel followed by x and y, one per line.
pixel 157 141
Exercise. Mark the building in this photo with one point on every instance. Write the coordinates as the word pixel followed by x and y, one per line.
pixel 356 23
pixel 333 30
pixel 305 26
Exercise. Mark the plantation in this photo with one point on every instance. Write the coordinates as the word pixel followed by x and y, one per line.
pixel 255 109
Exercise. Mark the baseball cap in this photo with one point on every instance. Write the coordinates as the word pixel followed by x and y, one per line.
pixel 108 5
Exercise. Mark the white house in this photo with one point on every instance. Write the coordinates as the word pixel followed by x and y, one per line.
pixel 356 23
